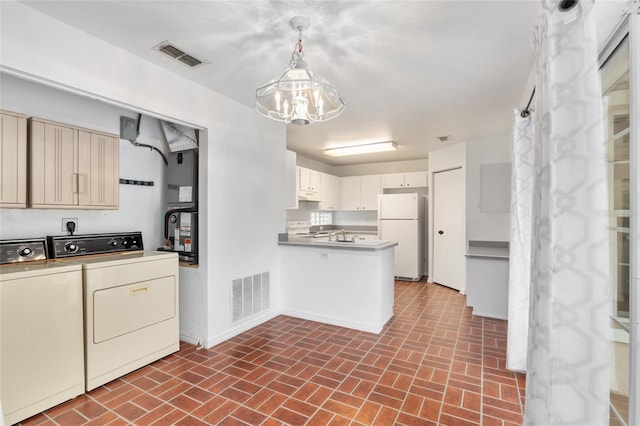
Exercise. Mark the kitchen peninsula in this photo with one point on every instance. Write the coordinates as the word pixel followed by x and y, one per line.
pixel 348 284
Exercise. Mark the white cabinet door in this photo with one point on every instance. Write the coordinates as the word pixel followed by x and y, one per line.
pixel 13 160
pixel 395 180
pixel 309 180
pixel 369 191
pixel 350 193
pixel 330 194
pixel 360 192
pixel 415 179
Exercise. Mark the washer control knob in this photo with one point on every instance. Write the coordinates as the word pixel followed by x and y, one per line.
pixel 71 247
pixel 25 251
pixel 113 243
pixel 126 242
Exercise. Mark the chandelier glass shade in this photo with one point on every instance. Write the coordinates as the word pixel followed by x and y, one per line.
pixel 299 96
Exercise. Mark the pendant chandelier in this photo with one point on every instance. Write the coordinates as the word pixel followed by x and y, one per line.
pixel 299 96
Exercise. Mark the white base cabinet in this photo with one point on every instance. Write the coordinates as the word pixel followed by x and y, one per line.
pixel 347 288
pixel 488 286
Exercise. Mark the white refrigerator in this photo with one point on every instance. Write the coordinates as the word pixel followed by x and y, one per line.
pixel 401 219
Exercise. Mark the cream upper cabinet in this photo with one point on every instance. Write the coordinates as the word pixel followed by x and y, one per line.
pixel 72 167
pixel 13 160
pixel 53 165
pixel 360 192
pixel 98 169
pixel 404 180
pixel 330 194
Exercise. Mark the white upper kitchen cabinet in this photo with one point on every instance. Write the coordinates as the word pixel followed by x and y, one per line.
pixel 330 193
pixel 360 192
pixel 309 180
pixel 13 160
pixel 309 184
pixel 72 168
pixel 404 180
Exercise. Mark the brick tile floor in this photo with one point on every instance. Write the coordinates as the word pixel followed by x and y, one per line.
pixel 433 364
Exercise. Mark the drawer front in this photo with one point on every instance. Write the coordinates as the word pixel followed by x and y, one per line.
pixel 125 309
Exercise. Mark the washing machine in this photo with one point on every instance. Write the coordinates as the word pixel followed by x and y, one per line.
pixel 131 302
pixel 41 330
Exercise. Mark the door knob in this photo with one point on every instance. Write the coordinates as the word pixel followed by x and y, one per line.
pixel 440 232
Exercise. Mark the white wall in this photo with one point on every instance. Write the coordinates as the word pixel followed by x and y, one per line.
pixel 485 226
pixel 242 156
pixel 141 207
pixel 443 159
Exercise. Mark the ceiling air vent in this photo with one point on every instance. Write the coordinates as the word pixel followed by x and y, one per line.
pixel 176 53
pixel 445 138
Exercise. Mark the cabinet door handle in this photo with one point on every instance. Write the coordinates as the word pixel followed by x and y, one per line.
pixel 75 182
pixel 82 177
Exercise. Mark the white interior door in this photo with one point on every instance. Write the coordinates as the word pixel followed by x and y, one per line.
pixel 449 229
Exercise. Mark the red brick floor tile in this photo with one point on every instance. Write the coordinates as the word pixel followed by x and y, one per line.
pixel 340 408
pixel 289 416
pixel 320 418
pixel 104 419
pixel 154 415
pixel 130 411
pixel 368 412
pixel 91 409
pixel 221 412
pixel 70 417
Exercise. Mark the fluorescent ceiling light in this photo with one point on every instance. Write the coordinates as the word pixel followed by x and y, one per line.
pixel 361 149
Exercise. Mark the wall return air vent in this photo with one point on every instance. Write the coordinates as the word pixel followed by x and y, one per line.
pixel 178 54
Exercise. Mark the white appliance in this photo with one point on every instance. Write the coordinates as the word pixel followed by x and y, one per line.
pixel 41 332
pixel 130 302
pixel 401 219
pixel 131 312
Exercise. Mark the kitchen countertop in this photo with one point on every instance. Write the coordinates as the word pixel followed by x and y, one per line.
pixel 366 245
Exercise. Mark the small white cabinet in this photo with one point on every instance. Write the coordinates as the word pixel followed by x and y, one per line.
pixel 72 167
pixel 309 184
pixel 404 180
pixel 360 192
pixel 13 160
pixel 330 193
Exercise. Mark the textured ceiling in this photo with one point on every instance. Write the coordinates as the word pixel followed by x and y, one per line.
pixel 408 71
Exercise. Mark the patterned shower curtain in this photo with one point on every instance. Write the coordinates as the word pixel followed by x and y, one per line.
pixel 522 187
pixel 568 350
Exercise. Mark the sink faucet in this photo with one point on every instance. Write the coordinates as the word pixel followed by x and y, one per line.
pixel 331 234
pixel 344 235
